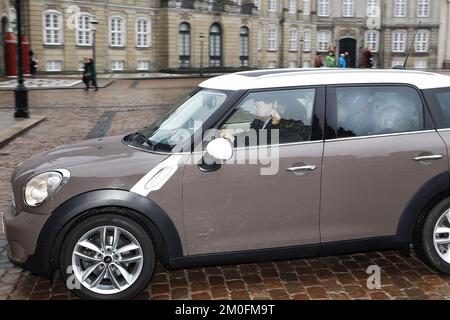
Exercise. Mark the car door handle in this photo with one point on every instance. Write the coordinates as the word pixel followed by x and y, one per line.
pixel 429 158
pixel 302 168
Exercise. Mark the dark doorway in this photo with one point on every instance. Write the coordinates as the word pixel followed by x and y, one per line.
pixel 349 45
pixel 3 29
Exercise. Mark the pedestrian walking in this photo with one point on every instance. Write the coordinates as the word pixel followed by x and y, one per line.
pixel 342 61
pixel 33 64
pixel 331 60
pixel 368 57
pixel 89 74
pixel 93 74
pixel 318 60
pixel 86 75
pixel 348 60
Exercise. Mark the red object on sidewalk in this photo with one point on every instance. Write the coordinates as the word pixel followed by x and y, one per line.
pixel 11 49
pixel 11 54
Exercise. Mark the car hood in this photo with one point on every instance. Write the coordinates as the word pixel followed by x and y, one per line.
pixel 104 158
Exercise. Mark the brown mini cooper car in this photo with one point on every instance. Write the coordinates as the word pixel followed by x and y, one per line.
pixel 253 166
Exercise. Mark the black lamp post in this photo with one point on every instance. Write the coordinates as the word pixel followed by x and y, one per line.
pixel 21 91
pixel 202 39
pixel 94 22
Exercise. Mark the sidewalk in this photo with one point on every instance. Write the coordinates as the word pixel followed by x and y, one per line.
pixel 42 83
pixel 11 127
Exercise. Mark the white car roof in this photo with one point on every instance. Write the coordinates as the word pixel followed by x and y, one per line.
pixel 277 78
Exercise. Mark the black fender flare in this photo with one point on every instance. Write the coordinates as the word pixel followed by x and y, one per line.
pixel 50 237
pixel 429 194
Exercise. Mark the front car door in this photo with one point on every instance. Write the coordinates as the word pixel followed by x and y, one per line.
pixel 380 150
pixel 268 194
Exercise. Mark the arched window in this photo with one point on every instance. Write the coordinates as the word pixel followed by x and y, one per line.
pixel 184 44
pixel 116 31
pixel 142 33
pixel 83 30
pixel 52 27
pixel 215 46
pixel 244 46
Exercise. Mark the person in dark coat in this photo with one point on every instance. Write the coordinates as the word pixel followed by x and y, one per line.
pixel 93 74
pixel 86 75
pixel 33 64
pixel 89 75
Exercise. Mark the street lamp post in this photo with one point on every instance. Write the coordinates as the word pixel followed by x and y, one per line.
pixel 21 91
pixel 94 22
pixel 202 38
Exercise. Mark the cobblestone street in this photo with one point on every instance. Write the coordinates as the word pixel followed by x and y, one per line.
pixel 73 115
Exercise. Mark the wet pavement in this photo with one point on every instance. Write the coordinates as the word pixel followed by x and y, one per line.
pixel 127 105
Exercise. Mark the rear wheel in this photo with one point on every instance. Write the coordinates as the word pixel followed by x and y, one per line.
pixel 433 237
pixel 107 256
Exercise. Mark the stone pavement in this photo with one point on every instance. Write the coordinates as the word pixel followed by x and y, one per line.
pixel 130 104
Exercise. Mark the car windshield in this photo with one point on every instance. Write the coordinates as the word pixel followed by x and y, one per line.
pixel 179 124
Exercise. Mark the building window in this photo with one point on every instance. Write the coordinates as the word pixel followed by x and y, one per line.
pixel 292 6
pixel 257 4
pixel 400 8
pixel 372 8
pixel 306 7
pixel 117 31
pixel 117 65
pixel 420 64
pixel 423 8
pixel 399 41
pixel 143 33
pixel 292 64
pixel 422 41
pixel 273 5
pixel 52 21
pixel 272 39
pixel 323 41
pixel 184 44
pixel 244 50
pixel 306 64
pixel 323 8
pixel 307 40
pixel 372 40
pixel 348 8
pixel 143 65
pixel 272 64
pixel 293 40
pixel 215 46
pixel 53 65
pixel 83 32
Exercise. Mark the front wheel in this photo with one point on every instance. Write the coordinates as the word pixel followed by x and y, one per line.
pixel 107 256
pixel 432 242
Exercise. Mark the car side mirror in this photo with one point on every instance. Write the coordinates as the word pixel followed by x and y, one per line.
pixel 220 149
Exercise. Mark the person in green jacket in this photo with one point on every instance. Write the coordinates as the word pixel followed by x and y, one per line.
pixel 331 60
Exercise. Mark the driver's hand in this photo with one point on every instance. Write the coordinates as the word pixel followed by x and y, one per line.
pixel 276 118
pixel 224 133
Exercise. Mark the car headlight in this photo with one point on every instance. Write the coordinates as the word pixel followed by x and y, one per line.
pixel 44 185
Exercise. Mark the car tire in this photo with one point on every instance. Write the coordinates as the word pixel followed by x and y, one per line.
pixel 427 239
pixel 122 274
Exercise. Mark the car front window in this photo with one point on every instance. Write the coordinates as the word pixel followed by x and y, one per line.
pixel 182 122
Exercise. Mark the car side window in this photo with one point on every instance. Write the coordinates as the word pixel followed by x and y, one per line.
pixel 366 111
pixel 271 117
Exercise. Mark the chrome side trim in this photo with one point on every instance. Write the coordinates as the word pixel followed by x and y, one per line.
pixel 381 135
pixel 158 176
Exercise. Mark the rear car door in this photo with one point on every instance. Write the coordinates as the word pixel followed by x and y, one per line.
pixel 380 149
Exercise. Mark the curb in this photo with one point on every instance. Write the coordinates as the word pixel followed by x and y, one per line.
pixel 18 128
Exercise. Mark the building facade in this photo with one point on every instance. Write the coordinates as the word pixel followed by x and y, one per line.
pixel 151 35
